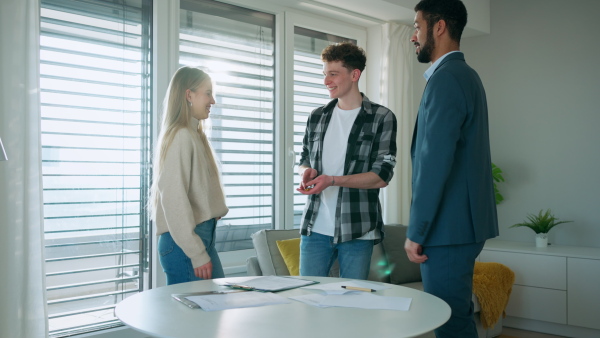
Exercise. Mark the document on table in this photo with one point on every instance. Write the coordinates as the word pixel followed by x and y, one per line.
pixel 234 300
pixel 271 283
pixel 362 300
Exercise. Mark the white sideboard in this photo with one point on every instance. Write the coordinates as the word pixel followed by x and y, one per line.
pixel 556 290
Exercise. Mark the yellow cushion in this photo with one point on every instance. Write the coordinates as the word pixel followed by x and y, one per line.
pixel 290 251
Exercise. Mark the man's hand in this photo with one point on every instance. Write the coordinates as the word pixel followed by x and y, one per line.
pixel 414 251
pixel 307 175
pixel 204 271
pixel 315 186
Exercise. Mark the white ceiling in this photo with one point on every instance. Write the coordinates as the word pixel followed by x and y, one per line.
pixel 385 10
pixel 401 11
pixel 374 12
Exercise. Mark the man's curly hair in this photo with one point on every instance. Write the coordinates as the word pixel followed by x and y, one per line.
pixel 351 56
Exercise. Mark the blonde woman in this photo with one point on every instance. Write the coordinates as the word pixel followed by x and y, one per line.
pixel 187 196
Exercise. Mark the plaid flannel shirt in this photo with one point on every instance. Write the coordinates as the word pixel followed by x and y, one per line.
pixel 371 148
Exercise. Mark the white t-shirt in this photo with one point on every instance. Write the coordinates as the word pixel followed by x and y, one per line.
pixel 335 146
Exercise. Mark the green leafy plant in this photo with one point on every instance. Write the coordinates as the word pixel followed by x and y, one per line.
pixel 540 223
pixel 497 176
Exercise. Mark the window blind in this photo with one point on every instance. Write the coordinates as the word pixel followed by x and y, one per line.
pixel 309 91
pixel 95 61
pixel 236 47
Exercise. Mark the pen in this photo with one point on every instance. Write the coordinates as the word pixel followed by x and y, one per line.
pixel 357 288
pixel 241 287
pixel 188 303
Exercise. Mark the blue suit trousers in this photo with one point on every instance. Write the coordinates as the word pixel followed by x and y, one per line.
pixel 448 274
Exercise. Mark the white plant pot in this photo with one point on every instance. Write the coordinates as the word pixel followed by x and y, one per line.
pixel 541 240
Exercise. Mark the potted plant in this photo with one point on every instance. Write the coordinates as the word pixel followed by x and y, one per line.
pixel 497 176
pixel 541 224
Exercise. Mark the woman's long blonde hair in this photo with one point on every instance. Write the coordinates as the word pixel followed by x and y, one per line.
pixel 177 114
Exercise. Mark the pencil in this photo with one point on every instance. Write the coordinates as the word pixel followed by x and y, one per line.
pixel 356 288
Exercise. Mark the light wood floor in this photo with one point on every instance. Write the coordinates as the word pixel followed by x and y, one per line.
pixel 508 332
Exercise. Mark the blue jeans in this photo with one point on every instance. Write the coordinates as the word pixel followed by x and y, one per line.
pixel 318 253
pixel 177 265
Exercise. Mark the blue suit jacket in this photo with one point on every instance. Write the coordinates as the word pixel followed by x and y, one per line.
pixel 453 196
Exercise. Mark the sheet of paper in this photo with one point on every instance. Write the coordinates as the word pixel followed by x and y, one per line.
pixel 237 300
pixel 366 300
pixel 337 289
pixel 313 299
pixel 274 283
pixel 362 300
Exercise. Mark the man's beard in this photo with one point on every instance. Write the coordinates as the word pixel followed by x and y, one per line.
pixel 424 55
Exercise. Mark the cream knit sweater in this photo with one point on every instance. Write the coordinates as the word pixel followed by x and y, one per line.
pixel 187 194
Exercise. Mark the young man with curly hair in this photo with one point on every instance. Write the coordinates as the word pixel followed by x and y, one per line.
pixel 348 154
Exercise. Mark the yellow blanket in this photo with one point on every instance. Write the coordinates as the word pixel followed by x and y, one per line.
pixel 492 284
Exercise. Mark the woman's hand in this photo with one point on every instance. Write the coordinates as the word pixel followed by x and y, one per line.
pixel 204 271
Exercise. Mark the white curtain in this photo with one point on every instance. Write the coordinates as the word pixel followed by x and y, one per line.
pixel 22 285
pixel 397 94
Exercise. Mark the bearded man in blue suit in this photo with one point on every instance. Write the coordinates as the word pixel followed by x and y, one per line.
pixel 453 209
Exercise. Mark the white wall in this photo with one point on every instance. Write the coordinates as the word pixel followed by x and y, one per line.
pixel 539 67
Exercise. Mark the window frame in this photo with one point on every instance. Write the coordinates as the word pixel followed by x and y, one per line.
pixel 165 56
pixel 65 23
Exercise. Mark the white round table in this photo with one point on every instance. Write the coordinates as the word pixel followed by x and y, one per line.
pixel 156 313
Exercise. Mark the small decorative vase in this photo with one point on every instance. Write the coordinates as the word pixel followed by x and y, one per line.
pixel 541 240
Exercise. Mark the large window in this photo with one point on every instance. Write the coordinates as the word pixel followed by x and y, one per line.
pixel 97 118
pixel 94 64
pixel 236 46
